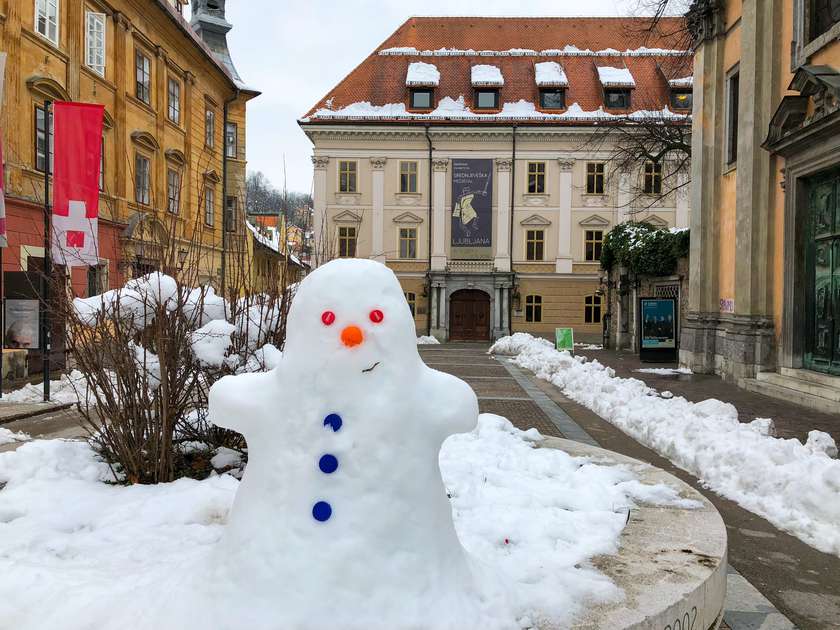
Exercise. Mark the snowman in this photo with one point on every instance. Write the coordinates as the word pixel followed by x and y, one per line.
pixel 342 520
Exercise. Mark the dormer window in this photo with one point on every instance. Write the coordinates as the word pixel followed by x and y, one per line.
pixel 617 98
pixel 487 99
pixel 421 98
pixel 682 99
pixel 552 98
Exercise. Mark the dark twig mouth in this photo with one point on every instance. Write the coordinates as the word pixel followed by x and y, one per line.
pixel 371 368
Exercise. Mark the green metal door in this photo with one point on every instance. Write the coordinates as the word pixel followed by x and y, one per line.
pixel 822 342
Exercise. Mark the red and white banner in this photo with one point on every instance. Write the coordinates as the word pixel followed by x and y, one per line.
pixel 78 146
pixel 3 240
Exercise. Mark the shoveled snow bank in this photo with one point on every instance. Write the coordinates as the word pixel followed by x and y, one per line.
pixel 8 437
pixel 427 340
pixel 794 486
pixel 99 553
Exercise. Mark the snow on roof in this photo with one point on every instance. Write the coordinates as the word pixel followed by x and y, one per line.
pixel 550 74
pixel 615 77
pixel 420 73
pixel 683 82
pixel 452 109
pixel 568 50
pixel 483 74
pixel 272 241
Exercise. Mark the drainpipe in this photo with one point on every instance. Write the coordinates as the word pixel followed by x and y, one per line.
pixel 429 275
pixel 224 187
pixel 510 233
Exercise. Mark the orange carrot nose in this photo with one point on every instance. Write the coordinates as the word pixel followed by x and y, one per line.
pixel 351 336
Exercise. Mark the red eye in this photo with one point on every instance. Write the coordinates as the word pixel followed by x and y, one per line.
pixel 328 317
pixel 376 316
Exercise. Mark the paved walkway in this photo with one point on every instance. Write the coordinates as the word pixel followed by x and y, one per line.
pixel 776 583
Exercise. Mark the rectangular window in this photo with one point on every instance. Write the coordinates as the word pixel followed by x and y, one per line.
pixel 231 139
pixel 347 177
pixel 682 99
pixel 41 140
pixel 173 191
pixel 421 99
pixel 534 244
pixel 594 178
pixel 209 205
pixel 209 128
pixel 174 109
pixel 617 99
pixel 231 205
pixel 142 179
pixel 487 99
pixel 592 309
pixel 823 14
pixel 46 19
pixel 653 178
pixel 411 298
pixel 408 242
pixel 552 98
pixel 533 308
pixel 97 280
pixel 408 177
pixel 732 119
pixel 95 42
pixel 536 177
pixel 593 243
pixel 346 242
pixel 143 77
pixel 102 165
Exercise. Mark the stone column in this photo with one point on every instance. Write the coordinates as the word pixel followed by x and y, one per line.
pixel 681 216
pixel 75 26
pixel 439 213
pixel 322 246
pixel 563 263
pixel 124 158
pixel 501 259
pixel 377 165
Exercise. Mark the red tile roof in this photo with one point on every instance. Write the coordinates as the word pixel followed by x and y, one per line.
pixel 380 78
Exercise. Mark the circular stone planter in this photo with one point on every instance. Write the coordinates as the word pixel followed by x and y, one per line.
pixel 671 563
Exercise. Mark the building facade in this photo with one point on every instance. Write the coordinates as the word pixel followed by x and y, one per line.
pixel 171 103
pixel 465 153
pixel 765 259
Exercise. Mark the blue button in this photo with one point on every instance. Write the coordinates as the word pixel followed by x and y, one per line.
pixel 328 463
pixel 333 420
pixel 321 511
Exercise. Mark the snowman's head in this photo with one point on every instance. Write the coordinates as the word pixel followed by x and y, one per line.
pixel 351 315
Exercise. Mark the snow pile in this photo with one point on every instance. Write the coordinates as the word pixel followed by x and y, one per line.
pixel 486 75
pixel 538 515
pixel 420 73
pixel 615 77
pixel 665 371
pixel 70 388
pixel 8 437
pixel 550 74
pixel 795 487
pixel 589 346
pixel 427 340
pixel 211 342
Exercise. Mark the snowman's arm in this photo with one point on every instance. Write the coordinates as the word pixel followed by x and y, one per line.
pixel 240 402
pixel 453 404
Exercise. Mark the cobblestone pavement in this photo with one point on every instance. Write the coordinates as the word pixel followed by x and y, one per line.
pixel 792 421
pixel 795 583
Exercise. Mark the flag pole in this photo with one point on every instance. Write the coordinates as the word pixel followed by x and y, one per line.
pixel 45 278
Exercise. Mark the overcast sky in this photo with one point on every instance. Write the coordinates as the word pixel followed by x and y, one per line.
pixel 295 52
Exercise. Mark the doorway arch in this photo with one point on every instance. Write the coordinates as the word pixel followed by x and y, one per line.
pixel 469 316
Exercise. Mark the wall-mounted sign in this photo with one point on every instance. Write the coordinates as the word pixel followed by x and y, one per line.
pixel 658 334
pixel 564 339
pixel 472 208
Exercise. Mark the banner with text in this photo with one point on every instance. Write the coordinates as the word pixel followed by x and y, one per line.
pixel 78 146
pixel 472 208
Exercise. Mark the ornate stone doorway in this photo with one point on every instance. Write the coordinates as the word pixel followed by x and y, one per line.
pixel 469 316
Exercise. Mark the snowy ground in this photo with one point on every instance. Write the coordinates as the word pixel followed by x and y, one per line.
pixel 67 389
pixel 77 552
pixel 795 486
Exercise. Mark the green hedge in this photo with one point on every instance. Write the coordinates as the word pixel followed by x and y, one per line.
pixel 644 249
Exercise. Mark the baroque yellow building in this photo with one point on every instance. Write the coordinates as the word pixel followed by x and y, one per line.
pixel 173 162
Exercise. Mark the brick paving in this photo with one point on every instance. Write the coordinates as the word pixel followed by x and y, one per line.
pixel 792 421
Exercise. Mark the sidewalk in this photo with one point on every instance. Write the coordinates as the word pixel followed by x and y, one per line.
pixel 792 421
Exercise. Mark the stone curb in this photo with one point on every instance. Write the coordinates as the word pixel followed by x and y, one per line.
pixel 42 408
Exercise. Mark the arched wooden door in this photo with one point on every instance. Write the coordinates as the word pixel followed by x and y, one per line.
pixel 469 316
